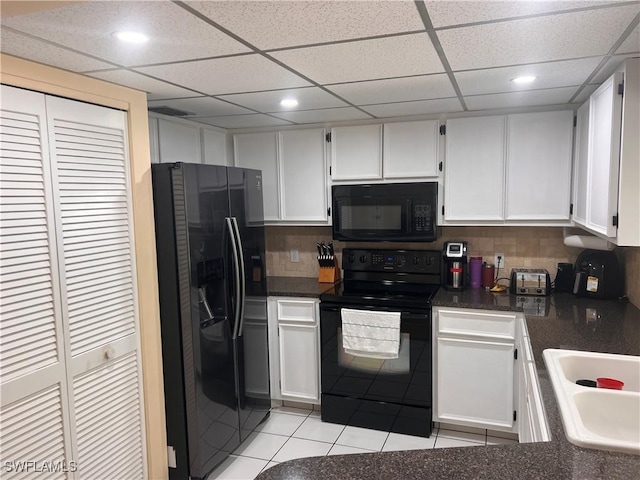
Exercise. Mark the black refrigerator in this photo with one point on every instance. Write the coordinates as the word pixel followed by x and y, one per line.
pixel 213 310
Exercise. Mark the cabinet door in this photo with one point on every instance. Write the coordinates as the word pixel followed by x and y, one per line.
pixel 474 177
pixel 90 165
pixel 605 117
pixel 539 166
pixel 303 195
pixel 214 151
pixel 299 368
pixel 178 142
pixel 581 166
pixel 475 383
pixel 356 153
pixel 34 401
pixel 410 149
pixel 260 151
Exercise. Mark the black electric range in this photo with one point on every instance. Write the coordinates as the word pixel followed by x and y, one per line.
pixel 384 394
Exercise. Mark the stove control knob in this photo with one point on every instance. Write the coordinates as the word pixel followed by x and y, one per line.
pixel 351 258
pixel 416 260
pixel 363 259
pixel 428 260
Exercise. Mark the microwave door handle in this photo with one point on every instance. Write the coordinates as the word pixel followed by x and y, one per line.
pixel 243 280
pixel 236 279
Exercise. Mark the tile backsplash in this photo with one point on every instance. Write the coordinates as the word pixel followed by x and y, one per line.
pixel 529 247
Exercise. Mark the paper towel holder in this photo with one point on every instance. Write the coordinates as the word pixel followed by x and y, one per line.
pixel 586 241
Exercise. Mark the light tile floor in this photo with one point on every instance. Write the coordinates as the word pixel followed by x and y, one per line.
pixel 296 433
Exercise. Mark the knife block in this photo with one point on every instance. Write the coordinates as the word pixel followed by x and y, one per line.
pixel 329 274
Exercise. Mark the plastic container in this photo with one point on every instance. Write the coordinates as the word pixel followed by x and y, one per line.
pixel 488 274
pixel 610 383
pixel 475 272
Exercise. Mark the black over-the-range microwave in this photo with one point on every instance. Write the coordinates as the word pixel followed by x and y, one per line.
pixel 401 212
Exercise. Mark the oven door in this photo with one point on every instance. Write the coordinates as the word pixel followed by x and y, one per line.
pixel 405 380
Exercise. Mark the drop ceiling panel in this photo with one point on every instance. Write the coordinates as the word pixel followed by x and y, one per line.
pixel 39 51
pixel 246 73
pixel 550 75
pixel 530 98
pixel 156 88
pixel 308 98
pixel 277 24
pixel 243 121
pixel 89 26
pixel 421 87
pixel 462 12
pixel 201 106
pixel 631 43
pixel 325 115
pixel 553 37
pixel 422 107
pixel 365 60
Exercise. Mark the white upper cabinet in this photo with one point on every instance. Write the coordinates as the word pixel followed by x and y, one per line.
pixel 474 169
pixel 294 173
pixel 513 169
pixel 260 152
pixel 581 165
pixel 303 192
pixel 178 142
pixel 410 149
pixel 539 147
pixel 214 151
pixel 605 117
pixel 356 153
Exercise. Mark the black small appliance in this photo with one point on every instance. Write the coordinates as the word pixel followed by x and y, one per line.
pixel 598 275
pixel 454 265
pixel 564 278
pixel 400 212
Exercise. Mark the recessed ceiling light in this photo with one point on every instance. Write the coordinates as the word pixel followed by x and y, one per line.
pixel 131 37
pixel 524 80
pixel 289 103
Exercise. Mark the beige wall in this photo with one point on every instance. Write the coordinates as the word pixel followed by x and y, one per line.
pixel 531 247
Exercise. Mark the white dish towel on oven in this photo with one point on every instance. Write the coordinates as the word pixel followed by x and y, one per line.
pixel 367 333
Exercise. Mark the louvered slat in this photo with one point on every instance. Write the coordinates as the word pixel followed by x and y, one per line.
pixel 26 285
pixel 32 429
pixel 108 426
pixel 94 215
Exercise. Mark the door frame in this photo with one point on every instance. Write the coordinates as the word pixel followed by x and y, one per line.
pixel 41 78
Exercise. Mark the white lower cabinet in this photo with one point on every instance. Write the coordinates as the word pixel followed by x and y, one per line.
pixel 294 349
pixel 532 422
pixel 474 368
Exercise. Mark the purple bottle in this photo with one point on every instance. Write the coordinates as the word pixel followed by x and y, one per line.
pixel 475 272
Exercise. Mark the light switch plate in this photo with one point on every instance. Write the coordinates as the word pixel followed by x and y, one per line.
pixel 294 256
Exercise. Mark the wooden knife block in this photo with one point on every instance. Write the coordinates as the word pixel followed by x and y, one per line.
pixel 329 274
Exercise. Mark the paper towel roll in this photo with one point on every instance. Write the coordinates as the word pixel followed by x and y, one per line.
pixel 588 241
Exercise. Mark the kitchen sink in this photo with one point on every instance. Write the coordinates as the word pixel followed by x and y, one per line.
pixel 596 417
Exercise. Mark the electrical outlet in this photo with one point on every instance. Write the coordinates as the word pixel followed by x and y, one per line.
pixel 499 260
pixel 294 256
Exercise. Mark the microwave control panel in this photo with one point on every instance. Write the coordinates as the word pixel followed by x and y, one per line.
pixel 422 218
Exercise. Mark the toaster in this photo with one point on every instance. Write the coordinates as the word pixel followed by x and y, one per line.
pixel 530 281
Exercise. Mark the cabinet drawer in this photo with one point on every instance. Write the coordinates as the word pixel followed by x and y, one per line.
pixel 480 323
pixel 299 311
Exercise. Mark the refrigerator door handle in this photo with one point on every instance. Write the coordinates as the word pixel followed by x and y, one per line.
pixel 243 285
pixel 236 279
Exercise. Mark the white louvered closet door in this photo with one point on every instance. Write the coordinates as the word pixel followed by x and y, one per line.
pixel 34 419
pixel 89 158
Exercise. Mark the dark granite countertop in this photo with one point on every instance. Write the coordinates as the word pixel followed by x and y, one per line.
pixel 561 321
pixel 296 287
